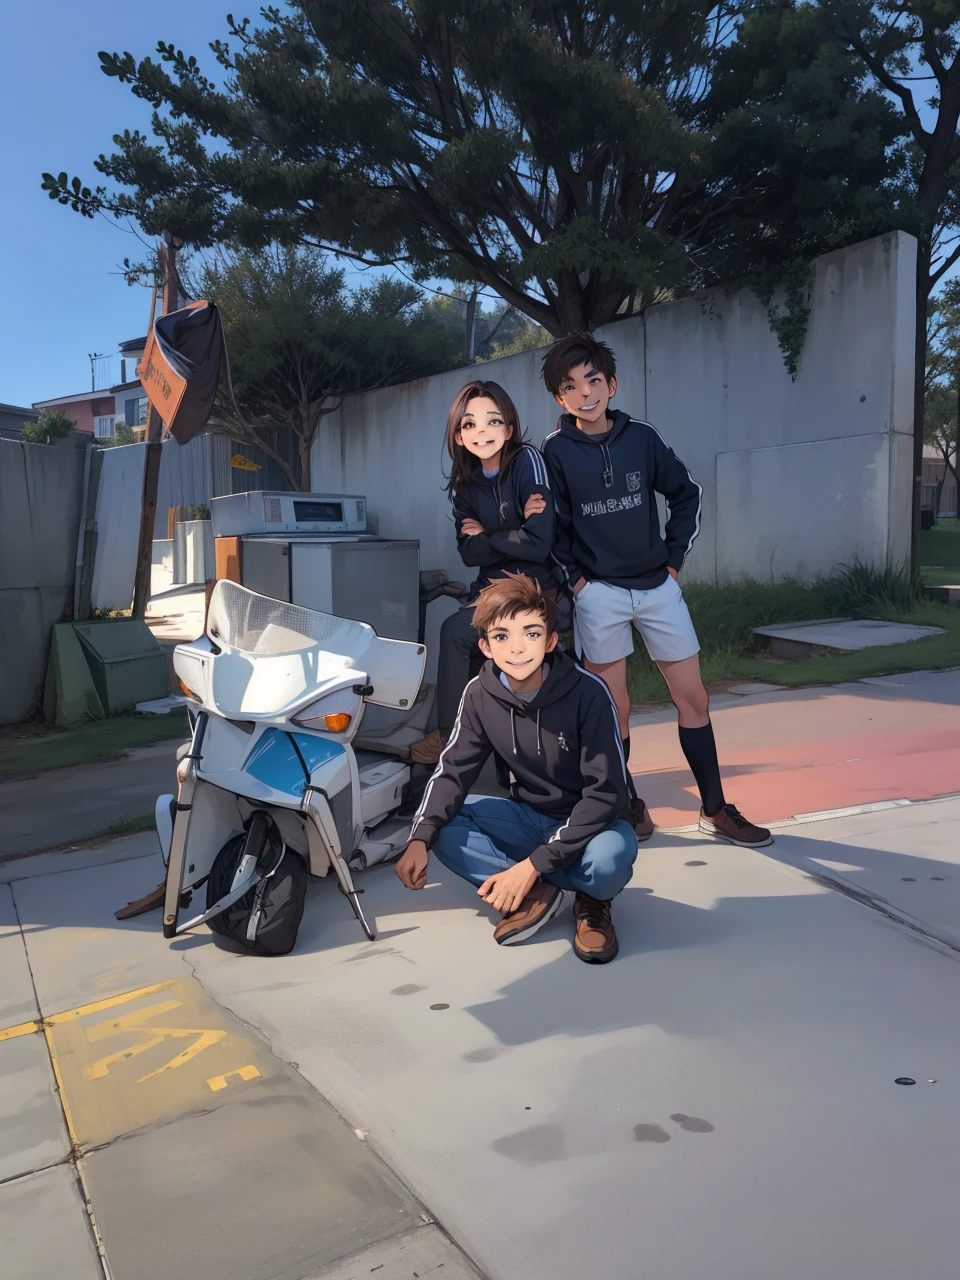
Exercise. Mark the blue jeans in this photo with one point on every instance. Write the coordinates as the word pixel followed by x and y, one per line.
pixel 490 834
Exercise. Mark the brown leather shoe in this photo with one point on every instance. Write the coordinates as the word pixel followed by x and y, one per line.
pixel 540 905
pixel 428 749
pixel 730 825
pixel 638 815
pixel 595 939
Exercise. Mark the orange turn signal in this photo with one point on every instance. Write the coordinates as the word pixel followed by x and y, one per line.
pixel 188 691
pixel 339 722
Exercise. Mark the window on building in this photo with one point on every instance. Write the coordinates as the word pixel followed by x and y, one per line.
pixel 103 427
pixel 135 411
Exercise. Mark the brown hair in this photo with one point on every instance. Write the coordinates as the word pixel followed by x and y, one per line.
pixel 462 459
pixel 509 596
pixel 579 348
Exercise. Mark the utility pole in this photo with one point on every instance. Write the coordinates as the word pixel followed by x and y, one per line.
pixel 151 466
pixel 470 331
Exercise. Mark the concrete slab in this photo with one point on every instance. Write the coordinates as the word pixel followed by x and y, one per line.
pixel 907 858
pixel 78 952
pixel 25 866
pixel 163 706
pixel 752 687
pixel 44 1230
pixel 70 804
pixel 32 1132
pixel 17 1001
pixel 847 633
pixel 421 1253
pixel 696 1105
pixel 274 1186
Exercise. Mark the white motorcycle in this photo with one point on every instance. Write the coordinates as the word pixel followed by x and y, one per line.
pixel 300 725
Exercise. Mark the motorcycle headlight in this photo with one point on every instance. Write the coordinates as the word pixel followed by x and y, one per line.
pixel 334 713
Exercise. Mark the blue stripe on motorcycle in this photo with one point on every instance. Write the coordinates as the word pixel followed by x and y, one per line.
pixel 274 760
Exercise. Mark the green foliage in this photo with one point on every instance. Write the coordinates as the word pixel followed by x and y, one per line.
pixel 579 160
pixel 122 434
pixel 299 341
pixel 51 425
pixel 500 330
pixel 201 512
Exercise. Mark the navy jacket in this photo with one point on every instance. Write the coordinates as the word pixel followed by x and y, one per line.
pixel 608 526
pixel 510 544
pixel 563 747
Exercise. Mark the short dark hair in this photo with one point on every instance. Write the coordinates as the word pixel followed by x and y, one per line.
pixel 509 596
pixel 578 348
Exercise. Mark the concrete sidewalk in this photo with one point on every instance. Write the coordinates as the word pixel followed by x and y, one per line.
pixel 142 1123
pixel 687 1111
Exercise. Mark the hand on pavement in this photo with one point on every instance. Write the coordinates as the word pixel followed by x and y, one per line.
pixel 411 867
pixel 507 889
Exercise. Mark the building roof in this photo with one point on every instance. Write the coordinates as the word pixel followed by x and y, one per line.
pixel 127 386
pixel 83 395
pixel 17 408
pixel 132 344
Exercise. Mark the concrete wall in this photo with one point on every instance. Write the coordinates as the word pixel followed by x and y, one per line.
pixel 40 495
pixel 709 374
pixel 119 500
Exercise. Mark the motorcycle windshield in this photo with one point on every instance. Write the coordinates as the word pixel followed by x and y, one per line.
pixel 277 656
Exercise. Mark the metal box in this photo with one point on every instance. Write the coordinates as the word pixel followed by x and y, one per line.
pixel 368 579
pixel 253 513
pixel 125 661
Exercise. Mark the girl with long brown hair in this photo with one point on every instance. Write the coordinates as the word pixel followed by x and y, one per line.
pixel 503 512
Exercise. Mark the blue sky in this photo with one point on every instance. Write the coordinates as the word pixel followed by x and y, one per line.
pixel 62 296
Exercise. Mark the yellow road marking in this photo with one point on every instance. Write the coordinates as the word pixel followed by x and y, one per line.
pixel 245 1073
pixel 153 1036
pixel 23 1029
pixel 70 1015
pixel 125 1065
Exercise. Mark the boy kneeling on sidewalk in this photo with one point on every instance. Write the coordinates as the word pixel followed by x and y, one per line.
pixel 556 726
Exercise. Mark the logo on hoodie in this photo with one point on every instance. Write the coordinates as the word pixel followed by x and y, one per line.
pixel 562 742
pixel 634 480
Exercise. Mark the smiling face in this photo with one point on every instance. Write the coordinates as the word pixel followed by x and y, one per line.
pixel 518 646
pixel 585 393
pixel 484 431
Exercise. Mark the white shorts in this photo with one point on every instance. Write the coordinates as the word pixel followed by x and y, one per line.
pixel 604 617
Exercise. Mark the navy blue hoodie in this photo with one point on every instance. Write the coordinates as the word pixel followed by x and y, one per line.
pixel 510 544
pixel 563 747
pixel 608 526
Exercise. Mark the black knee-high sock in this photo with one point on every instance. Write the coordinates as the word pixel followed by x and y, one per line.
pixel 699 747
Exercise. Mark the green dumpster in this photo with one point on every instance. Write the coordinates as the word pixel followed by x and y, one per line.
pixel 125 661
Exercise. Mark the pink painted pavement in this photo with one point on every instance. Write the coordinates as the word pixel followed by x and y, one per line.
pixel 805 750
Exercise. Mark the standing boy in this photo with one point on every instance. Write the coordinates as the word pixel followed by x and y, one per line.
pixel 605 468
pixel 556 725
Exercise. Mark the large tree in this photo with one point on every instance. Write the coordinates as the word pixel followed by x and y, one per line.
pixel 298 341
pixel 911 49
pixel 941 409
pixel 579 159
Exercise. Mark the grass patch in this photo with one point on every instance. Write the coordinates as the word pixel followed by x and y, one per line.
pixel 725 616
pixel 940 554
pixel 29 749
pixel 132 826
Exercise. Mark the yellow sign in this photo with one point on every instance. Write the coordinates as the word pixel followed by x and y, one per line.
pixel 243 464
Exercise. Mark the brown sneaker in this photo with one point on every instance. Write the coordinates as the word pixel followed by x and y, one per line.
pixel 730 825
pixel 540 905
pixel 638 815
pixel 595 939
pixel 428 749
